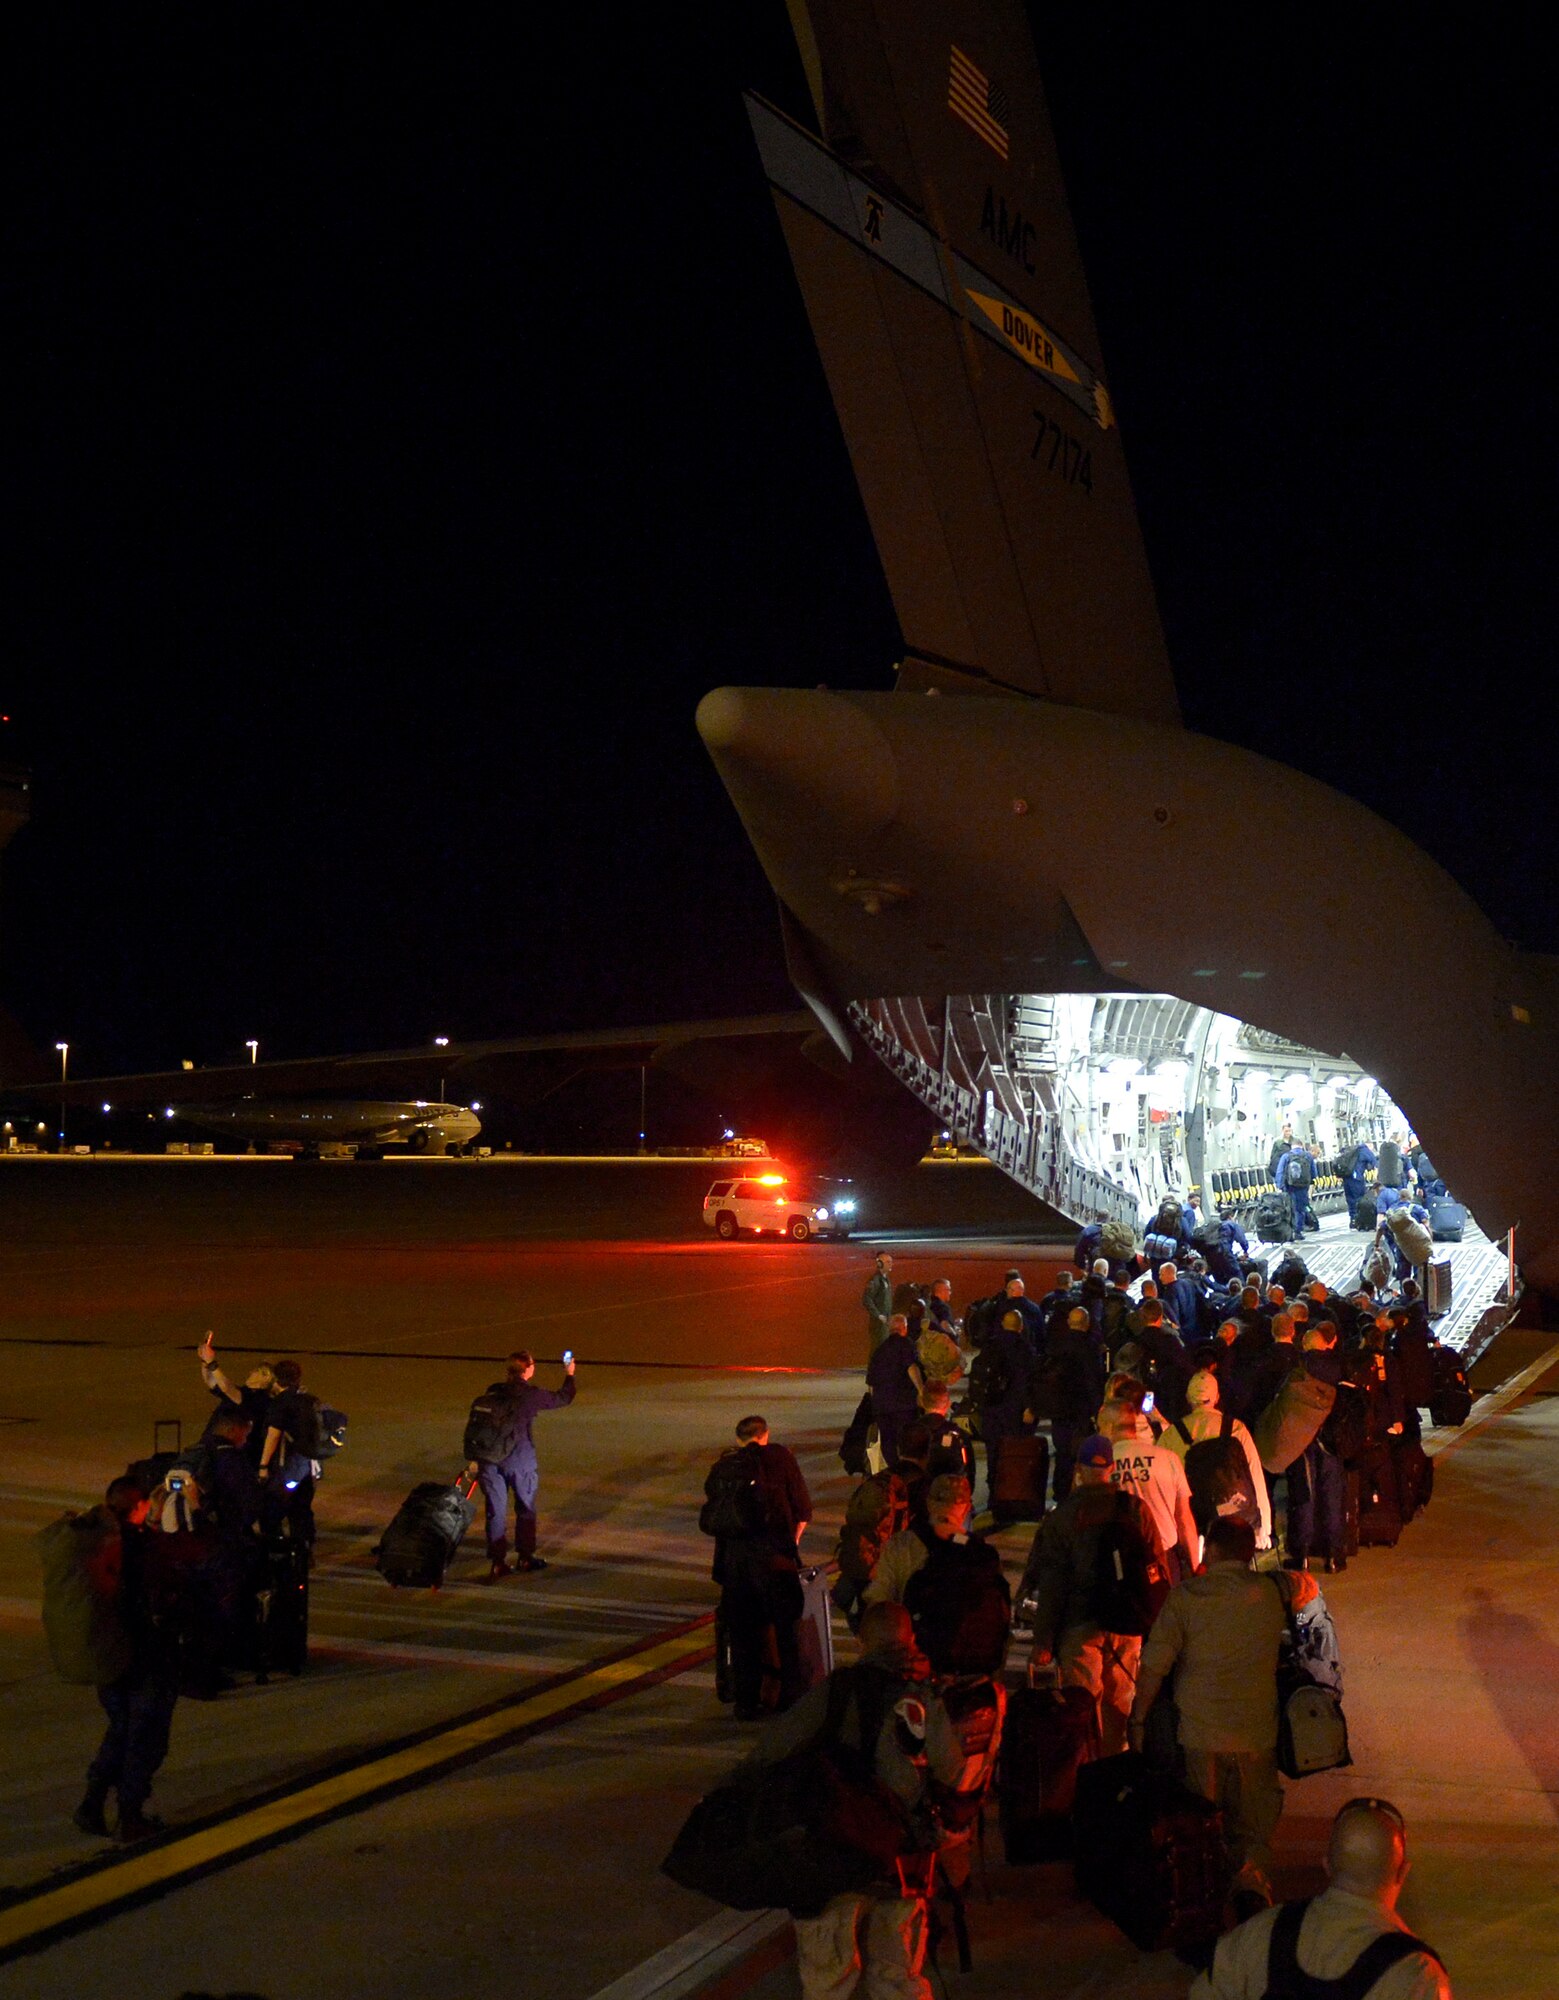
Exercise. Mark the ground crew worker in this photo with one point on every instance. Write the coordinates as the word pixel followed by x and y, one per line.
pixel 1218 1635
pixel 517 1476
pixel 878 1301
pixel 1352 1924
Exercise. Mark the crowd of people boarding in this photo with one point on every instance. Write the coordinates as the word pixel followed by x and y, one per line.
pixel 1198 1439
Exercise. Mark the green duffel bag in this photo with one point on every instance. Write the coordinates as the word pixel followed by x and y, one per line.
pixel 89 1642
pixel 1290 1423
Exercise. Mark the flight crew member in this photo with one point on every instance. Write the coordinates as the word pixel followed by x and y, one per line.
pixel 1353 1182
pixel 516 1476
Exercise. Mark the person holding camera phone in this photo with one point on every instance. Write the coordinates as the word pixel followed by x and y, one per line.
pixel 501 1456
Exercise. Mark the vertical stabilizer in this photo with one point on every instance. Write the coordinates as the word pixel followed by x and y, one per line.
pixel 931 239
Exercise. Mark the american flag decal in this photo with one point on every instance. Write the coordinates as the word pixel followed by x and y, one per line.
pixel 980 103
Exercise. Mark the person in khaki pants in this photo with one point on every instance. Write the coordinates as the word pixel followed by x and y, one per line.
pixel 1218 1635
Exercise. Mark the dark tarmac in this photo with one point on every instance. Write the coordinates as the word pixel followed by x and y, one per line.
pixel 532 1871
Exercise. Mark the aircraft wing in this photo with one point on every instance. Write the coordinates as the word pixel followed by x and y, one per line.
pixel 529 1065
pixel 932 242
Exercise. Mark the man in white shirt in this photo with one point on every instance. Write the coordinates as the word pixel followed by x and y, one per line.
pixel 1327 1937
pixel 1157 1478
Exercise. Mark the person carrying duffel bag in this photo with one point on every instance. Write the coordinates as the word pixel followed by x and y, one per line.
pixel 826 1818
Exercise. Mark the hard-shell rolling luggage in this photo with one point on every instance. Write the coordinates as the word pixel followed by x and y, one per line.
pixel 1149 1854
pixel 814 1632
pixel 1415 1477
pixel 1447 1220
pixel 1437 1287
pixel 1050 1734
pixel 420 1543
pixel 281 1613
pixel 1380 1511
pixel 1022 1468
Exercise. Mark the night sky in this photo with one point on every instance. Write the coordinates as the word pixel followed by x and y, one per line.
pixel 413 414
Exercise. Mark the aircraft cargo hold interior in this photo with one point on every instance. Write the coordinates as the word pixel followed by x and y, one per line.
pixel 1103 1103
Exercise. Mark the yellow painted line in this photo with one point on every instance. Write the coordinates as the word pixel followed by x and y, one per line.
pixel 157 1866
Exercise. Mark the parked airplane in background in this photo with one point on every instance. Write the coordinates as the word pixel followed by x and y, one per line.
pixel 370 1125
pixel 1118 967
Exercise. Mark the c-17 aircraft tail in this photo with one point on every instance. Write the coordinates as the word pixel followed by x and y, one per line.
pixel 932 242
pixel 1130 956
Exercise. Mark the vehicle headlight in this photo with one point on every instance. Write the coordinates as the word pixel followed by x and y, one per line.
pixel 820 1215
pixel 845 1207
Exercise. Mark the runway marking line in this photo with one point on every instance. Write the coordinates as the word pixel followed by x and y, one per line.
pixel 103 1889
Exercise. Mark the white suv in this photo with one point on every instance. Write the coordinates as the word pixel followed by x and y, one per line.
pixel 776 1205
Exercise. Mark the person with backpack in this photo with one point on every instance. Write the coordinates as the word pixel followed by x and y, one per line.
pixel 131 1596
pixel 893 1727
pixel 999 1389
pixel 882 1506
pixel 1354 1164
pixel 1094 1579
pixel 1295 1172
pixel 296 1441
pixel 1157 1478
pixel 895 1380
pixel 1349 1939
pixel 950 1447
pixel 1068 1388
pixel 756 1506
pixel 961 1605
pixel 1317 1479
pixel 501 1457
pixel 1217 1637
pixel 1222 1465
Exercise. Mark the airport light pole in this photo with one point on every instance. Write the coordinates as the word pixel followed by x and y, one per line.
pixel 643 1083
pixel 64 1049
pixel 441 1042
pixel 254 1051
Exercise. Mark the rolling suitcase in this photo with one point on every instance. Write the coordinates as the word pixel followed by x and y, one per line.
pixel 1350 1511
pixel 1022 1468
pixel 814 1632
pixel 1415 1477
pixel 149 1473
pixel 1380 1513
pixel 1451 1402
pixel 1149 1854
pixel 1447 1220
pixel 420 1543
pixel 281 1619
pixel 1050 1733
pixel 1437 1287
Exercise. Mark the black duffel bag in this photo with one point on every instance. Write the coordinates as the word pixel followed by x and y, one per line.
pixel 817 1824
